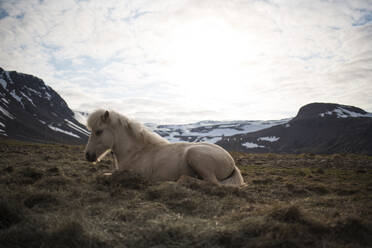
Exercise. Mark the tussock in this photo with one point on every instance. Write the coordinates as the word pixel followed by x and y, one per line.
pixel 42 200
pixel 53 183
pixel 123 179
pixel 129 180
pixel 353 229
pixel 10 214
pixel 318 189
pixel 30 235
pixel 288 214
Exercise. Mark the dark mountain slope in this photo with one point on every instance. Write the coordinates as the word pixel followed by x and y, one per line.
pixel 317 128
pixel 33 111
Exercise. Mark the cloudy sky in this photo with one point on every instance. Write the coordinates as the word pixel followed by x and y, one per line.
pixel 180 61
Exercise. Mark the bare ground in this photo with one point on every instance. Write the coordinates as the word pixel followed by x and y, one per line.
pixel 51 197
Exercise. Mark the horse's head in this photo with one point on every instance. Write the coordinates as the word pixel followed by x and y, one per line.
pixel 112 131
pixel 101 139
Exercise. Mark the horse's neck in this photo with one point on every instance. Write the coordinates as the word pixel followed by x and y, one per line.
pixel 125 149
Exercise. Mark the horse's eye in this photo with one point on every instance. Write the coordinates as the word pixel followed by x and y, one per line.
pixel 99 132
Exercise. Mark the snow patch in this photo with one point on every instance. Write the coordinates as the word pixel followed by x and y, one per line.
pixel 2 132
pixel 15 96
pixel 4 100
pixel 63 131
pixel 8 76
pixel 28 98
pixel 213 140
pixel 6 113
pixel 77 128
pixel 173 139
pixel 3 83
pixel 344 113
pixel 251 145
pixel 33 91
pixel 269 138
pixel 18 98
pixel 48 96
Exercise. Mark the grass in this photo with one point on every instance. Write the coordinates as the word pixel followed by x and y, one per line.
pixel 51 197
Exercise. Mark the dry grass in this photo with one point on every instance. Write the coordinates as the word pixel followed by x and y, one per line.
pixel 51 197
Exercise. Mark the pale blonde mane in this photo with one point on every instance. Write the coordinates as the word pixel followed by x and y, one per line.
pixel 117 120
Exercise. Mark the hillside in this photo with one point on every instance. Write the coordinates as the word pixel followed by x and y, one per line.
pixel 30 110
pixel 51 197
pixel 317 128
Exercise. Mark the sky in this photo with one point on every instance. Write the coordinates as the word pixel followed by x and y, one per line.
pixel 181 61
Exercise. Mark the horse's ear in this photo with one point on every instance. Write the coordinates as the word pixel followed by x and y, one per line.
pixel 105 116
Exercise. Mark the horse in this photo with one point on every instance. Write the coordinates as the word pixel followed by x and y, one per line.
pixel 144 152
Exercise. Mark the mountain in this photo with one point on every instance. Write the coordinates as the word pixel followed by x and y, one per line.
pixel 210 131
pixel 317 128
pixel 33 111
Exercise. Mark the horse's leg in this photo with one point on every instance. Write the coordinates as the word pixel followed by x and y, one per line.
pixel 201 162
pixel 185 178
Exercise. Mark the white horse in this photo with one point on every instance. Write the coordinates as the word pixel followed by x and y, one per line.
pixel 137 149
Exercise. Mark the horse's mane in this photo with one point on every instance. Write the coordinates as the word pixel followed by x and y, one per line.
pixel 117 120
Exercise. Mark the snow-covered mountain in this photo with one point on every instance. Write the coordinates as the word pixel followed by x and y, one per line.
pixel 31 110
pixel 210 131
pixel 317 128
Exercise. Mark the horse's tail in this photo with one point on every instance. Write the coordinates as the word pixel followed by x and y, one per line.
pixel 235 178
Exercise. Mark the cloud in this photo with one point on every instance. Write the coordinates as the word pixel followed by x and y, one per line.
pixel 193 60
pixel 148 110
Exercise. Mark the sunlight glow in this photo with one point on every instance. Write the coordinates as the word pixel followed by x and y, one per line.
pixel 207 55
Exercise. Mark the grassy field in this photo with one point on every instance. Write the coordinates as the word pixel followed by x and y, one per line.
pixel 51 197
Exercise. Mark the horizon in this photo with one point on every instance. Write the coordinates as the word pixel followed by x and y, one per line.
pixel 181 62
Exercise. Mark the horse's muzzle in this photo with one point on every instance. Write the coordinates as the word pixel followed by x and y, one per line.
pixel 91 157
